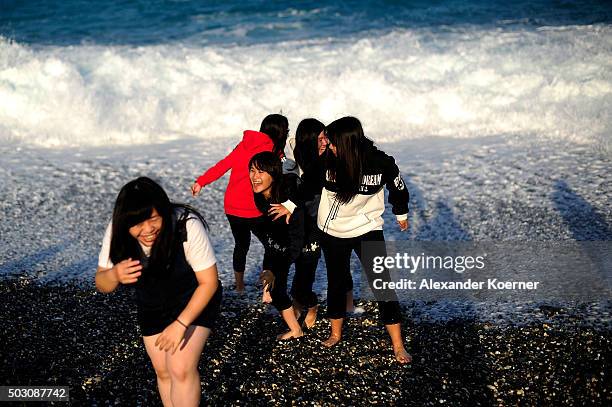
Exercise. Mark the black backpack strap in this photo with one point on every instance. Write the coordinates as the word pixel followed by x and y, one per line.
pixel 181 227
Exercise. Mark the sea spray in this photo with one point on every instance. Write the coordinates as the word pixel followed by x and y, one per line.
pixel 460 82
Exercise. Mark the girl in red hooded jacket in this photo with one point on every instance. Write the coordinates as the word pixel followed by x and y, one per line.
pixel 243 215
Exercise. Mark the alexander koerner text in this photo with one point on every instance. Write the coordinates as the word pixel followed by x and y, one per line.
pixel 430 284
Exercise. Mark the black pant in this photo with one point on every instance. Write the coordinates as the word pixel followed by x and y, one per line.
pixel 337 252
pixel 306 268
pixel 241 229
pixel 280 268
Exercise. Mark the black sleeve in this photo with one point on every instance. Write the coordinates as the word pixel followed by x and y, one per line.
pixel 296 234
pixel 291 189
pixel 267 260
pixel 312 179
pixel 398 193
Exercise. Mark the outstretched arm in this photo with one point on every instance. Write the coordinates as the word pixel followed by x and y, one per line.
pixel 215 172
pixel 293 199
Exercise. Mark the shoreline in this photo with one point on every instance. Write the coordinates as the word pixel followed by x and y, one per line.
pixel 64 335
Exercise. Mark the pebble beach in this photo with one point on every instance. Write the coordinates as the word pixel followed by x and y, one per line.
pixel 57 330
pixel 73 336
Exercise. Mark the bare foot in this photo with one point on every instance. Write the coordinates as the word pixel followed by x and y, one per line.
pixel 402 356
pixel 311 317
pixel 289 335
pixel 331 341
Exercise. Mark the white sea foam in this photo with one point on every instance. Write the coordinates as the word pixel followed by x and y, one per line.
pixel 548 83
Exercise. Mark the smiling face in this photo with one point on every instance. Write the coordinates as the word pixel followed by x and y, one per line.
pixel 147 231
pixel 261 181
pixel 322 142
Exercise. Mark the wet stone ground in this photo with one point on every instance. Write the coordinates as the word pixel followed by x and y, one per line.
pixel 56 330
pixel 71 335
pixel 55 204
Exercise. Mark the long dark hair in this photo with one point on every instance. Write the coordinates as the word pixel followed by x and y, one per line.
pixel 276 126
pixel 346 169
pixel 270 163
pixel 135 204
pixel 306 148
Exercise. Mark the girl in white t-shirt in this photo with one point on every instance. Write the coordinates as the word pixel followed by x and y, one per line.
pixel 162 251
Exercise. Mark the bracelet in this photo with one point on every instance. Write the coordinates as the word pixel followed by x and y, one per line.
pixel 179 321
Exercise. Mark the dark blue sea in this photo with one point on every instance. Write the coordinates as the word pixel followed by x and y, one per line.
pixel 201 23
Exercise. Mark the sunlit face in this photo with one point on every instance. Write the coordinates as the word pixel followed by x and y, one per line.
pixel 322 142
pixel 261 181
pixel 147 231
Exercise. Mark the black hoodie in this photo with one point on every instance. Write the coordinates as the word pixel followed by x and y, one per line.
pixel 283 241
pixel 364 212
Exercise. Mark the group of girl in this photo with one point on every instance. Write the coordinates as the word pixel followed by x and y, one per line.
pixel 331 198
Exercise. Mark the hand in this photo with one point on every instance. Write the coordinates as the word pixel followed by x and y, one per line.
pixel 195 189
pixel 267 279
pixel 279 210
pixel 171 337
pixel 403 225
pixel 266 298
pixel 128 271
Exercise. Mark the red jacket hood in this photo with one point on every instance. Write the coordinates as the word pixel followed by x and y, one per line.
pixel 255 140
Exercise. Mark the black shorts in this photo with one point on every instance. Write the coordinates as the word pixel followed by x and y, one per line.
pixel 154 321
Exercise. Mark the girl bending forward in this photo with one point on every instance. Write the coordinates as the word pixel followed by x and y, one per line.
pixel 161 250
pixel 283 240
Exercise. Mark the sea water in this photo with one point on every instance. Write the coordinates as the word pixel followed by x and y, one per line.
pixel 123 72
